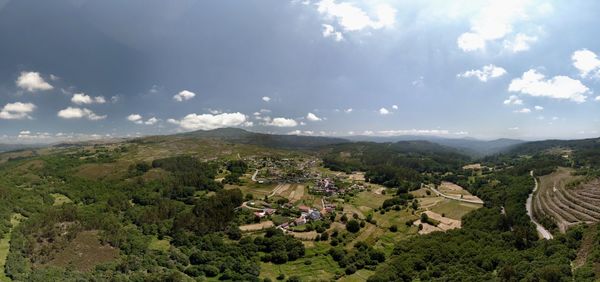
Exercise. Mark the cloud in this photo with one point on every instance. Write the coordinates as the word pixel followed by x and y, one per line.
pixel 266 99
pixel 395 107
pixel 300 132
pixel 521 42
pixel 138 119
pixel 513 100
pixel 33 81
pixel 586 62
pixel 485 73
pixel 135 118
pixel 151 121
pixel 494 21
pixel 329 31
pixel 384 111
pixel 469 41
pixel 538 108
pixel 184 96
pixel 523 111
pixel 77 113
pixel 81 98
pixel 281 122
pixel 313 117
pixel 17 110
pixel 349 110
pixel 559 87
pixel 353 18
pixel 597 99
pixel 209 121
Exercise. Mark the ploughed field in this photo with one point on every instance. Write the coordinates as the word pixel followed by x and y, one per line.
pixel 567 204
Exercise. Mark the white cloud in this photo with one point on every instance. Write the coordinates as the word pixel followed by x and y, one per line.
pixel 538 108
pixel 151 121
pixel 521 42
pixel 266 98
pixel 281 122
pixel 76 113
pixel 33 81
pixel 469 41
pixel 514 128
pixel 184 96
pixel 597 99
pixel 494 21
pixel 485 73
pixel 135 118
pixel 313 117
pixel 81 98
pixel 353 18
pixel 138 119
pixel 384 111
pixel 300 132
pixel 209 121
pixel 523 111
pixel 586 62
pixel 395 107
pixel 349 110
pixel 329 31
pixel 513 100
pixel 559 87
pixel 17 110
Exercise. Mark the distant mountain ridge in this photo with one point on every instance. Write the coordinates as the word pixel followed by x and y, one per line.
pixel 13 147
pixel 469 146
pixel 237 135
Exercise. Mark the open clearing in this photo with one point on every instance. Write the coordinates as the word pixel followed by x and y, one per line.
pixel 60 199
pixel 444 223
pixel 257 226
pixel 85 252
pixel 453 209
pixel 159 245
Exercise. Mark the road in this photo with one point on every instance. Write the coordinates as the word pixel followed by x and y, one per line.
pixel 254 175
pixel 454 198
pixel 542 232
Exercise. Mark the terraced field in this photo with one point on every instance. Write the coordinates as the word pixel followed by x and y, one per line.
pixel 567 206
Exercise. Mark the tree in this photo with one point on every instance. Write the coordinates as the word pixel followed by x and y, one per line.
pixel 353 226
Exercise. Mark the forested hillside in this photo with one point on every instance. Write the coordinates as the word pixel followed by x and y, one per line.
pixel 402 164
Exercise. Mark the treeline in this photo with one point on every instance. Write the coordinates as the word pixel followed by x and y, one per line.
pixel 403 164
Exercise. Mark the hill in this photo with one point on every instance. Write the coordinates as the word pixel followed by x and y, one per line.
pixel 240 136
pixel 469 146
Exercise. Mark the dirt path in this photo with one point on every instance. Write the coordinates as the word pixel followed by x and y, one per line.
pixel 542 231
pixel 254 175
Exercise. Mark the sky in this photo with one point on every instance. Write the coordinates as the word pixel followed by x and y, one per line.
pixel 83 69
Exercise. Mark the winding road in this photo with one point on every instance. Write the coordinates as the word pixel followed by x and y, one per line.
pixel 542 231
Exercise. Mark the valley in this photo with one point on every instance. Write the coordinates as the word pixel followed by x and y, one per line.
pixel 345 212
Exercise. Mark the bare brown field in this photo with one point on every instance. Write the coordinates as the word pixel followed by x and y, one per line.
pixel 257 226
pixel 444 223
pixel 84 253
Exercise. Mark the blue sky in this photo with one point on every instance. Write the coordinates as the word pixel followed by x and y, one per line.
pixel 78 69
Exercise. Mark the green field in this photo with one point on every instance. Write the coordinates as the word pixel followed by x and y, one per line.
pixel 60 199
pixel 454 209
